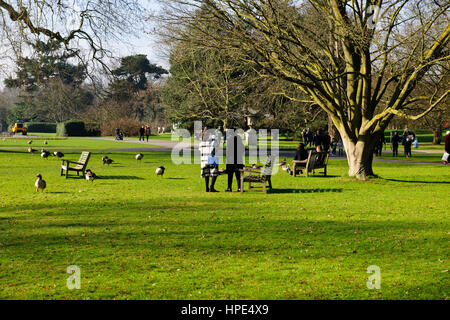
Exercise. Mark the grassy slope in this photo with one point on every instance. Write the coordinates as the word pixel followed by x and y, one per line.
pixel 137 236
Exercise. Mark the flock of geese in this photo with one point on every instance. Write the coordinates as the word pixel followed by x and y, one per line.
pixel 40 184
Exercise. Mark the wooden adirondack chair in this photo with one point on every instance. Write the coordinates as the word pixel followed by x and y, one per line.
pixel 262 176
pixel 316 160
pixel 79 166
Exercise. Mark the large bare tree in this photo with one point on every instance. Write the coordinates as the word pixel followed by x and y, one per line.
pixel 84 27
pixel 360 61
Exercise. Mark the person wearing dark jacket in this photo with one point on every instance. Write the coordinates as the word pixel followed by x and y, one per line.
pixel 235 159
pixel 408 138
pixel 141 133
pixel 300 154
pixel 395 141
pixel 309 136
pixel 326 141
pixel 317 139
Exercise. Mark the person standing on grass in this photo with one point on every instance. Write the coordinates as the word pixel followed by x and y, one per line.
pixel 235 159
pixel 207 152
pixel 141 133
pixel 317 139
pixel 379 147
pixel 394 141
pixel 147 131
pixel 446 156
pixel 305 136
pixel 326 141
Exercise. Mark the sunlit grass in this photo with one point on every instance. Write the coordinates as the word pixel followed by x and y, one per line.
pixel 138 236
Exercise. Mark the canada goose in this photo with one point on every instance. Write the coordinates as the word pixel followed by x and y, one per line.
pixel 30 141
pixel 160 171
pixel 40 184
pixel 104 158
pixel 31 150
pixel 108 161
pixel 139 156
pixel 44 154
pixel 58 154
pixel 90 175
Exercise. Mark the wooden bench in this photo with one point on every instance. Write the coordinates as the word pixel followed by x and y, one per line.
pixel 262 176
pixel 80 166
pixel 316 160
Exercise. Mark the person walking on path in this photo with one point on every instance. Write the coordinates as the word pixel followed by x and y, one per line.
pixel 141 133
pixel 148 131
pixel 235 159
pixel 446 156
pixel 207 154
pixel 408 138
pixel 395 141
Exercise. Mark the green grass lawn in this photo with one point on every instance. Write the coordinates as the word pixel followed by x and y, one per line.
pixel 67 143
pixel 138 236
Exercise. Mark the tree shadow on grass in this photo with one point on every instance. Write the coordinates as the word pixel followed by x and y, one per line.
pixel 416 181
pixel 314 190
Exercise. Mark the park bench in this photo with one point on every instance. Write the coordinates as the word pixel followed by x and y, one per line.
pixel 261 175
pixel 79 166
pixel 316 160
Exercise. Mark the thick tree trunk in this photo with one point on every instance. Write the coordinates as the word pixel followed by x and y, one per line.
pixel 437 136
pixel 359 156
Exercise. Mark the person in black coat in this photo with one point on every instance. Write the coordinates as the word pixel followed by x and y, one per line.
pixel 309 137
pixel 326 141
pixel 317 139
pixel 235 158
pixel 141 133
pixel 395 141
pixel 300 154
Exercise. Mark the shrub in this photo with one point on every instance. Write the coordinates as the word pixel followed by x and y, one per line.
pixel 129 127
pixel 72 128
pixel 45 127
pixel 92 129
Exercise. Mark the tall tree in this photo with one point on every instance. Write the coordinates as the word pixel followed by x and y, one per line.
pixel 132 76
pixel 361 68
pixel 51 85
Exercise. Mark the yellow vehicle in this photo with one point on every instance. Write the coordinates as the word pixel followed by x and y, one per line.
pixel 19 126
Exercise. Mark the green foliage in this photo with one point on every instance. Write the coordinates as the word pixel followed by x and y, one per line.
pixel 72 128
pixel 132 76
pixel 52 85
pixel 46 127
pixel 50 63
